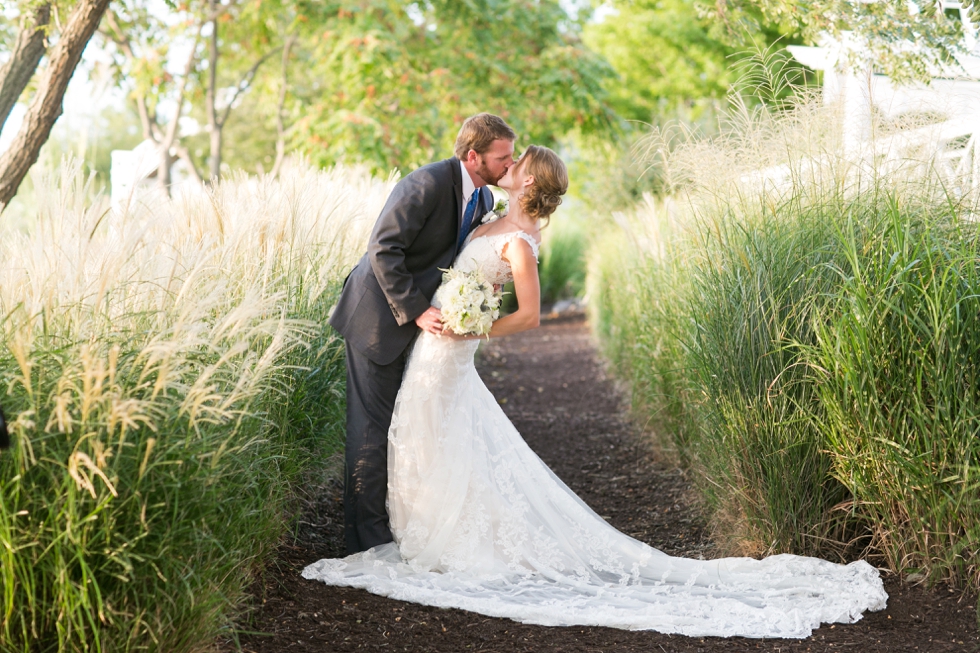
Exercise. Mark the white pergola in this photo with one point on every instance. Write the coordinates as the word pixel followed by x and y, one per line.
pixel 953 95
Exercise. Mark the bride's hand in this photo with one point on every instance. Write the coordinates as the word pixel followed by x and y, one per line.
pixel 431 321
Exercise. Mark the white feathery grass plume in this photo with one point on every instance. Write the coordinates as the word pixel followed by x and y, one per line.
pixel 145 356
pixel 212 274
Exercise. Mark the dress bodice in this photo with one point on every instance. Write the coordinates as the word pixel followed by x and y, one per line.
pixel 485 253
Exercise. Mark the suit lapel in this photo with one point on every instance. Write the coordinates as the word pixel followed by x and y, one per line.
pixel 486 202
pixel 457 175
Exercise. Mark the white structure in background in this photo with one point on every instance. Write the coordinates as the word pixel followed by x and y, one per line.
pixel 863 93
pixel 132 175
pixel 131 170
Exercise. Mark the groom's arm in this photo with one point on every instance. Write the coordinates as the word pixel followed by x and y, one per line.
pixel 410 205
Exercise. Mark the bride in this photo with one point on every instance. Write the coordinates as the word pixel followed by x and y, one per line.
pixel 481 523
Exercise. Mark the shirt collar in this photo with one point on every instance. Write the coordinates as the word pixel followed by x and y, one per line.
pixel 468 185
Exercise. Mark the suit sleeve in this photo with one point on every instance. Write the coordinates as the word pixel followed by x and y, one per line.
pixel 408 208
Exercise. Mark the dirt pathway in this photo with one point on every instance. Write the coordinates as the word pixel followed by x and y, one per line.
pixel 552 386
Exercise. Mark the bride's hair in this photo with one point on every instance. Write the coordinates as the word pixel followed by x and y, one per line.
pixel 540 199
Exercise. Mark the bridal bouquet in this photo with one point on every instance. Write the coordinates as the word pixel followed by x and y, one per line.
pixel 468 302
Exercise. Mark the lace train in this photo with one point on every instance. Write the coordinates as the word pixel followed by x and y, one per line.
pixel 482 524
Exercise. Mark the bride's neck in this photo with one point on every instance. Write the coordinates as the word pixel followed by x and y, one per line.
pixel 516 214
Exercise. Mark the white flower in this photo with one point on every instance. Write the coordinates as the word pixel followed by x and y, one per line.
pixel 498 211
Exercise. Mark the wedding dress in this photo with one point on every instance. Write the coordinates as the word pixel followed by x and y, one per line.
pixel 481 523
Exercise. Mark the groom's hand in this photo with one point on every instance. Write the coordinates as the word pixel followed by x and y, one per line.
pixel 430 321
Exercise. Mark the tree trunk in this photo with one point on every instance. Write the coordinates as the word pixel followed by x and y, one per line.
pixel 26 54
pixel 46 106
pixel 215 158
pixel 169 138
pixel 280 122
pixel 210 100
pixel 216 120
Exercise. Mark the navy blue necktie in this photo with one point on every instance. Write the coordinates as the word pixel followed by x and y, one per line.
pixel 464 229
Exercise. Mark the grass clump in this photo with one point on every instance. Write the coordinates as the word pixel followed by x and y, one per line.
pixel 562 267
pixel 897 371
pixel 635 279
pixel 754 292
pixel 799 322
pixel 169 377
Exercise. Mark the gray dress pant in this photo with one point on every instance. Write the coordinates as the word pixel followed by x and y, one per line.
pixel 371 392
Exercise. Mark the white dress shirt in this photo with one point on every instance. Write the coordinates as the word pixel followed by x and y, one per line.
pixel 468 188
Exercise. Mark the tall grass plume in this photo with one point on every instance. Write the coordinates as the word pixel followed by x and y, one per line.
pixel 168 376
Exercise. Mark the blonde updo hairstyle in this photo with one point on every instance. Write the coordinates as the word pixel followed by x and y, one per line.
pixel 540 199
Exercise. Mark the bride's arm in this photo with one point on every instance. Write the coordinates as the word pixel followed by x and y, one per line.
pixel 524 267
pixel 527 288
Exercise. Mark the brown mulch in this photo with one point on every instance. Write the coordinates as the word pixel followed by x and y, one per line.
pixel 555 390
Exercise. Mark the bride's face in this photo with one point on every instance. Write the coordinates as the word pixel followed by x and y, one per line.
pixel 512 179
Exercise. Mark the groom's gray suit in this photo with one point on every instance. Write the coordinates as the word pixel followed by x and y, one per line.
pixel 393 283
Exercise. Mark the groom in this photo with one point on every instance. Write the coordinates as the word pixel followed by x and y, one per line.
pixel 385 301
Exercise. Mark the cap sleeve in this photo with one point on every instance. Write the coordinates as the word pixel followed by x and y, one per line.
pixel 530 241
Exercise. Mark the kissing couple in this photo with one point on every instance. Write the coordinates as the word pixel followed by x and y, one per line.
pixel 446 505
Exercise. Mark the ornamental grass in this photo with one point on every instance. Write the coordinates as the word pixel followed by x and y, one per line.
pixel 798 322
pixel 169 378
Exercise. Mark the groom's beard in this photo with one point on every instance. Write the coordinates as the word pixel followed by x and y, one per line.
pixel 483 172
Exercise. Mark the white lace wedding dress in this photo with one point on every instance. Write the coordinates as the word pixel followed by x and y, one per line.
pixel 482 524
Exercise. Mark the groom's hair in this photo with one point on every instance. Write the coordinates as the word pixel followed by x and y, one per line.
pixel 479 131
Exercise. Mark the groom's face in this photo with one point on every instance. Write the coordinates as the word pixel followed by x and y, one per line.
pixel 493 164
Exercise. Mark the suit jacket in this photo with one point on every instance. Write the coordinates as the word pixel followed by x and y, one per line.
pixel 393 283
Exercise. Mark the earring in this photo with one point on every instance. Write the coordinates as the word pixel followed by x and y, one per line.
pixel 520 195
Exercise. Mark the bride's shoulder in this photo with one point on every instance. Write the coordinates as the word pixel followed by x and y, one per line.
pixel 533 241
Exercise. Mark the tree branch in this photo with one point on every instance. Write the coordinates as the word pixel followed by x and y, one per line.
pixel 280 123
pixel 171 133
pixel 46 106
pixel 244 83
pixel 218 13
pixel 211 97
pixel 24 59
pixel 151 131
pixel 184 154
pixel 165 137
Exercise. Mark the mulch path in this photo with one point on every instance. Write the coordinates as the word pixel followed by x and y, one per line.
pixel 552 385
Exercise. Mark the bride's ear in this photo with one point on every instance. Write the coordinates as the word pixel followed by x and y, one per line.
pixel 529 180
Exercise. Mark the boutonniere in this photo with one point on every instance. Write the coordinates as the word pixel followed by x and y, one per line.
pixel 498 211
